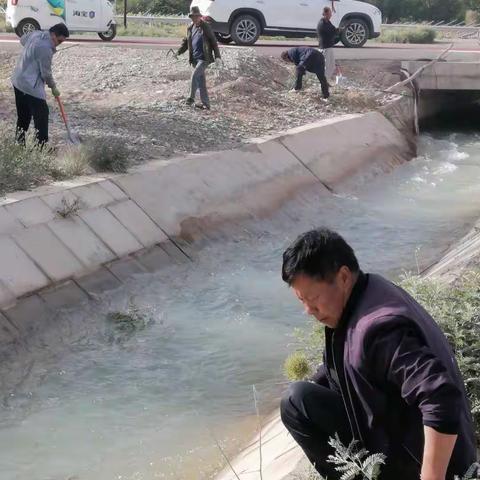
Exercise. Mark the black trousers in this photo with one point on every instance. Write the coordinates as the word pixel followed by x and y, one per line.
pixel 313 413
pixel 28 107
pixel 317 66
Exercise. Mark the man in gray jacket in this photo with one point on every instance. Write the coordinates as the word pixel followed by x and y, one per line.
pixel 33 71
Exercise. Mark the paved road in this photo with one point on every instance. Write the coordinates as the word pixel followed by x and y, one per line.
pixel 464 50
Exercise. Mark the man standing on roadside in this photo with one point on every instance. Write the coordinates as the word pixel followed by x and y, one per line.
pixel 33 71
pixel 201 44
pixel 307 59
pixel 327 38
pixel 389 377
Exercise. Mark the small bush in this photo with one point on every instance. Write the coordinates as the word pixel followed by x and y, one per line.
pixel 408 35
pixel 297 366
pixel 74 161
pixel 108 155
pixel 24 167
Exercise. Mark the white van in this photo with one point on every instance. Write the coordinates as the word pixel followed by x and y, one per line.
pixel 243 21
pixel 79 15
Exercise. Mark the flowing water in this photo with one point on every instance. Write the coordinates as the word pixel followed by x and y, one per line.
pixel 77 405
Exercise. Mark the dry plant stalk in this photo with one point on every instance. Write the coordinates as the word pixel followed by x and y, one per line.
pixel 259 431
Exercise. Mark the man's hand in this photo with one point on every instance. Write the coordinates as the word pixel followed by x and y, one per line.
pixel 55 92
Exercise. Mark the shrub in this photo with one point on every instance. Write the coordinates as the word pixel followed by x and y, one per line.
pixel 455 307
pixel 408 35
pixel 108 155
pixel 24 167
pixel 74 161
pixel 297 366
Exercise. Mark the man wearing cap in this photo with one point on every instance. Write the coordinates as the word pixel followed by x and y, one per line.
pixel 203 50
pixel 33 71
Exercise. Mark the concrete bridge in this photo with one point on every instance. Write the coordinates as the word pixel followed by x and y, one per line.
pixel 446 75
pixel 446 89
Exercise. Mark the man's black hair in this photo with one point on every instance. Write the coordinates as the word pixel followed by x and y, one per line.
pixel 60 30
pixel 318 254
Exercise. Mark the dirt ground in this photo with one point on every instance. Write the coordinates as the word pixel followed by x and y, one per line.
pixel 138 95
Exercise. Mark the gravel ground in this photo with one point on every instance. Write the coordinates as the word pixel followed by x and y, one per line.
pixel 138 95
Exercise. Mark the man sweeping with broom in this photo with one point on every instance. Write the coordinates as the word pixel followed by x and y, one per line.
pixel 33 71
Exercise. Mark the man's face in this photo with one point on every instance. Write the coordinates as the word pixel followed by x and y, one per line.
pixel 196 19
pixel 57 39
pixel 327 14
pixel 322 299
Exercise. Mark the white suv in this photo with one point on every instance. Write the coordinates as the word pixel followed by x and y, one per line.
pixel 243 21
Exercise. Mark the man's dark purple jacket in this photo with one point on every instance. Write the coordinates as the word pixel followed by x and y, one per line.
pixel 399 374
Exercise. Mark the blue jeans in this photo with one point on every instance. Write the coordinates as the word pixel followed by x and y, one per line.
pixel 199 82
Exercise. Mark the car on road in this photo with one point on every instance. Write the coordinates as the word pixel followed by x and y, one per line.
pixel 25 16
pixel 243 21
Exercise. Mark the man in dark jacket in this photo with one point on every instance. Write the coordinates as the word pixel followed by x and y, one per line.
pixel 307 59
pixel 389 377
pixel 327 38
pixel 33 71
pixel 201 44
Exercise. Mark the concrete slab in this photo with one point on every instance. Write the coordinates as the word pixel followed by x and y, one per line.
pixel 54 200
pixel 8 223
pixel 138 223
pixel 30 315
pixel 111 231
pixel 125 268
pixel 7 297
pixel 93 195
pixel 155 259
pixel 31 211
pixel 174 252
pixel 78 237
pixel 326 149
pixel 18 272
pixel 215 183
pixel 98 282
pixel 8 333
pixel 113 190
pixel 67 294
pixel 48 252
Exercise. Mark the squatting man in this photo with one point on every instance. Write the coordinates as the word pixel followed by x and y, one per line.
pixel 389 378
